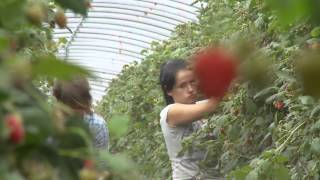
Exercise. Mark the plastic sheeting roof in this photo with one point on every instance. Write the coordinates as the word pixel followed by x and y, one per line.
pixel 116 31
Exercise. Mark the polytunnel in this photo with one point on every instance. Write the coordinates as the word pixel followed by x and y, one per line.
pixel 116 31
pixel 237 96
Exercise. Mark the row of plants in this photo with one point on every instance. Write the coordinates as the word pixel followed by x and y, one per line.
pixel 267 126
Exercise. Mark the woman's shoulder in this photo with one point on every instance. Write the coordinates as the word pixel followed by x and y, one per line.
pixel 164 111
pixel 95 118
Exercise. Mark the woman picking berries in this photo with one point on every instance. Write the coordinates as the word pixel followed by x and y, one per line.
pixel 213 73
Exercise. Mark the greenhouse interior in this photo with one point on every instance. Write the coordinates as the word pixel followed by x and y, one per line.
pixel 159 90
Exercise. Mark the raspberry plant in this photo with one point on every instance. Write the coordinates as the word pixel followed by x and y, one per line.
pixel 256 137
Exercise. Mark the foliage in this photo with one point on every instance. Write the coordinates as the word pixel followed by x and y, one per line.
pixel 266 127
pixel 38 139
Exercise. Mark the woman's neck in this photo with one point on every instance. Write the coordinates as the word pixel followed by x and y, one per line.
pixel 83 112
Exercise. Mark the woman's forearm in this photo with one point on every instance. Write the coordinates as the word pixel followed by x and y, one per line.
pixel 186 113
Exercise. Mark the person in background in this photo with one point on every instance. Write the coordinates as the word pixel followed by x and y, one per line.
pixel 75 93
pixel 181 117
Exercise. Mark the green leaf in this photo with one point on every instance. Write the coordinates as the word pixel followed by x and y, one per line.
pixel 234 131
pixel 311 165
pixel 249 4
pixel 306 100
pixel 259 121
pixel 274 97
pixel 268 154
pixel 281 159
pixel 281 172
pixel 118 125
pixel 315 32
pixel 3 95
pixel 12 14
pixel 253 175
pixel 118 162
pixel 285 75
pixel 52 67
pixel 241 174
pixel 315 127
pixel 250 106
pixel 37 123
pixel 62 40
pixel 265 92
pixel 77 6
pixel 315 111
pixel 13 176
pixel 83 134
pixel 4 42
pixel 315 146
pixel 289 12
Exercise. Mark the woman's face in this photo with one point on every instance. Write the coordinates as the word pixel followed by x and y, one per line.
pixel 185 89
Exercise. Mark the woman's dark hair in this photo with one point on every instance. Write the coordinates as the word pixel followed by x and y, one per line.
pixel 74 93
pixel 168 73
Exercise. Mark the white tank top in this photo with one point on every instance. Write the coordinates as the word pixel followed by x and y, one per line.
pixel 184 166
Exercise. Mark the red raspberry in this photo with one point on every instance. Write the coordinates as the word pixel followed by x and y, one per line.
pixel 278 105
pixel 88 164
pixel 215 70
pixel 16 129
